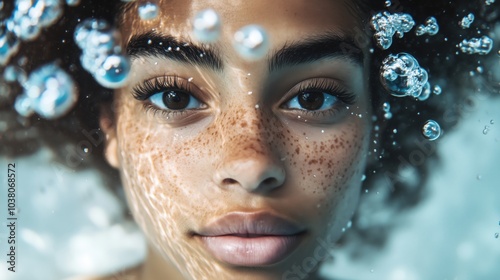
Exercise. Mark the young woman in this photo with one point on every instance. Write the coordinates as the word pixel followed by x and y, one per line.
pixel 250 169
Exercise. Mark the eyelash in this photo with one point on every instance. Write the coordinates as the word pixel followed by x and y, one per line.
pixel 324 86
pixel 157 85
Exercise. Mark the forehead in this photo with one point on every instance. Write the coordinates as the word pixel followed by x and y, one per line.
pixel 284 19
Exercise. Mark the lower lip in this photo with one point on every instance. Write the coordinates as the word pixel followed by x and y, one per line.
pixel 251 251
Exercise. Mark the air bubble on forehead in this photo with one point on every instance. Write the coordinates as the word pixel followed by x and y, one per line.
pixel 148 11
pixel 251 42
pixel 467 21
pixel 480 46
pixel 102 55
pixel 49 91
pixel 386 25
pixel 431 130
pixel 402 76
pixel 207 26
pixel 431 27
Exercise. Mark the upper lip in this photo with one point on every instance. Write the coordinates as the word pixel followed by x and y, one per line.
pixel 250 224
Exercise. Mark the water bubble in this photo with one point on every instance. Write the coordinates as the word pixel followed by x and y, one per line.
pixel 486 130
pixel 431 130
pixel 388 115
pixel 207 26
pixel 386 106
pixel 14 74
pixel 431 27
pixel 388 3
pixel 148 11
pixel 251 42
pixel 113 72
pixel 394 131
pixel 467 21
pixel 402 76
pixel 479 177
pixel 9 45
pixel 386 25
pixel 30 16
pixel 480 46
pixel 437 90
pixel 492 122
pixel 73 2
pixel 51 91
pixel 363 178
pixel 489 2
pixel 426 92
pixel 24 105
pixel 497 234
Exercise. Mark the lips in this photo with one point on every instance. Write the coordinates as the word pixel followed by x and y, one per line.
pixel 251 239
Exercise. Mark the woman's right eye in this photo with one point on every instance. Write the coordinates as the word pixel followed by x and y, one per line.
pixel 175 99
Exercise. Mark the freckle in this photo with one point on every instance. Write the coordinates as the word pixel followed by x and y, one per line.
pixel 297 150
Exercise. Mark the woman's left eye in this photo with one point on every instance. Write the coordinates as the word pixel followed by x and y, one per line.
pixel 312 100
pixel 175 99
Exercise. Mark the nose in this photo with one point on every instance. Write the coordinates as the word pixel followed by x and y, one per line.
pixel 256 174
pixel 248 160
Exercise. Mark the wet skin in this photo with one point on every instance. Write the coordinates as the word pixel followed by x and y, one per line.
pixel 182 169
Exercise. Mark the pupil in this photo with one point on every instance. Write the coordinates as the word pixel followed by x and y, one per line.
pixel 311 100
pixel 176 100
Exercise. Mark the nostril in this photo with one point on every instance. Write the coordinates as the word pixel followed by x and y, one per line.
pixel 229 181
pixel 269 181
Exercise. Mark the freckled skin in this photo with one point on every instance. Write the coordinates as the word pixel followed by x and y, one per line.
pixel 233 156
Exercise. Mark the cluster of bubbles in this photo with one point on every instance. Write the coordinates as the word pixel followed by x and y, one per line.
pixel 49 91
pixel 251 41
pixel 386 25
pixel 431 27
pixel 467 21
pixel 489 2
pixel 148 11
pixel 431 130
pixel 480 46
pixel 207 26
pixel 25 23
pixel 402 76
pixel 102 54
pixel 387 110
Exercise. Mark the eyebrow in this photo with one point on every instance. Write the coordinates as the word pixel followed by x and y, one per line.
pixel 316 48
pixel 166 46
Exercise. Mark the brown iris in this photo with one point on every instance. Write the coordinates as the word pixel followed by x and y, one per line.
pixel 311 100
pixel 176 100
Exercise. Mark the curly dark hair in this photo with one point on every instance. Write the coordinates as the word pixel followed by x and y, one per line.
pixel 404 155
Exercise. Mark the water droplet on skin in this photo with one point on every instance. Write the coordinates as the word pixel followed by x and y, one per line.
pixel 481 46
pixel 251 42
pixel 256 106
pixel 190 79
pixel 207 26
pixel 402 76
pixel 386 25
pixel 85 150
pixel 322 131
pixel 431 130
pixel 148 11
pixel 249 93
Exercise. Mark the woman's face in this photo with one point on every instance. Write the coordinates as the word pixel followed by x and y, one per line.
pixel 276 146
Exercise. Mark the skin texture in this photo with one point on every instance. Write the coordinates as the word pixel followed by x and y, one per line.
pixel 183 172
